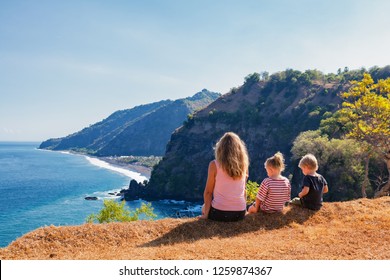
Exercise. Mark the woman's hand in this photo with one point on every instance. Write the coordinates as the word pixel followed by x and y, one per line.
pixel 203 217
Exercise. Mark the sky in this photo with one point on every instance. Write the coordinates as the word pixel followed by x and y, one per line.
pixel 65 65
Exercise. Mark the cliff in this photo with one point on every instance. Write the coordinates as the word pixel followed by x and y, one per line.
pixel 353 230
pixel 267 115
pixel 267 112
pixel 141 131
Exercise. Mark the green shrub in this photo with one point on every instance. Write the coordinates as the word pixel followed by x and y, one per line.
pixel 251 191
pixel 115 212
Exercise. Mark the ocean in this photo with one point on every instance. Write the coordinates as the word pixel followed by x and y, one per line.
pixel 42 188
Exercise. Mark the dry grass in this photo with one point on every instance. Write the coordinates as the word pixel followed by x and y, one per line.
pixel 357 229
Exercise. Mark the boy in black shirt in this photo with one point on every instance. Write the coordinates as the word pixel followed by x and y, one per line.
pixel 314 184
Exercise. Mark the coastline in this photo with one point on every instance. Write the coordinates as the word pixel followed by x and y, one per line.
pixel 139 168
pixel 141 172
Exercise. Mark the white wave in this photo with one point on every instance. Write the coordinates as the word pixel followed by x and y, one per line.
pixel 177 201
pixel 61 152
pixel 43 150
pixel 116 190
pixel 171 201
pixel 102 164
pixel 195 208
pixel 107 195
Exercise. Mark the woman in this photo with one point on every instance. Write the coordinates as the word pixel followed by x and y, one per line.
pixel 225 195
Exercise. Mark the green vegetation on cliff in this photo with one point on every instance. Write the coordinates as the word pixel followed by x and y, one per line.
pixel 357 154
pixel 113 211
pixel 268 112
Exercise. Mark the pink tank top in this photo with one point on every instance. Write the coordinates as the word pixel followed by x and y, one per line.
pixel 229 194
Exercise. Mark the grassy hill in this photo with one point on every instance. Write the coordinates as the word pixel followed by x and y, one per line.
pixel 358 229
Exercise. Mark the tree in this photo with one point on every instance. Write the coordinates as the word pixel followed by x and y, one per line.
pixel 366 109
pixel 250 80
pixel 264 75
pixel 115 212
pixel 339 162
pixel 305 79
pixel 315 74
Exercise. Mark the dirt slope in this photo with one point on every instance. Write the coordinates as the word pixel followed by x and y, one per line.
pixel 357 229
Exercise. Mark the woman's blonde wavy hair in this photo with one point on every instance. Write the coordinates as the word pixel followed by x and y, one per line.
pixel 232 155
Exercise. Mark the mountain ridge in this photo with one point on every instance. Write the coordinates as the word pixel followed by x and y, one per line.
pixel 133 131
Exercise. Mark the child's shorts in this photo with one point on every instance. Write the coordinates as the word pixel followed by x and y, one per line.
pixel 296 201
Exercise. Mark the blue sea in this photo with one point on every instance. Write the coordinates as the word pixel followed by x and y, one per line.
pixel 41 188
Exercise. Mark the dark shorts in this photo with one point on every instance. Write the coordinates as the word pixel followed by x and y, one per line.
pixel 226 216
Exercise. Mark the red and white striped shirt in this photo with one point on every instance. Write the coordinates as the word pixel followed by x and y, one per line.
pixel 273 193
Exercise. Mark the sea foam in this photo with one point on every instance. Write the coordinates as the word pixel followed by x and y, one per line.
pixel 102 164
